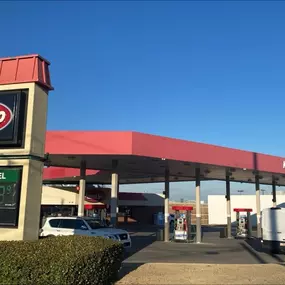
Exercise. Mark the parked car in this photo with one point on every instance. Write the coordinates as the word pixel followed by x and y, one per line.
pixel 273 229
pixel 63 226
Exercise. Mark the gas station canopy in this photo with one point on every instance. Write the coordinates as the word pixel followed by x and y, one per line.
pixel 143 158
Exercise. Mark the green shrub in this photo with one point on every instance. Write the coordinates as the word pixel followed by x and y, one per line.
pixel 60 260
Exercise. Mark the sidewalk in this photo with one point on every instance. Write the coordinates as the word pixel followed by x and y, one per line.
pixel 170 273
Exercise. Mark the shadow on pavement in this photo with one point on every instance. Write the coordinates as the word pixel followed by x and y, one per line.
pixel 138 228
pixel 252 252
pixel 128 268
pixel 142 237
pixel 277 258
pixel 257 246
pixel 139 243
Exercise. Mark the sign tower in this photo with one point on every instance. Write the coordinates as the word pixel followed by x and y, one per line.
pixel 24 87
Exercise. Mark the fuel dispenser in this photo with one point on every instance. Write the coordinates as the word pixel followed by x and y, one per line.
pixel 243 228
pixel 182 226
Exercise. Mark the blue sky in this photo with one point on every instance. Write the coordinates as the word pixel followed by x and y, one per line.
pixel 203 71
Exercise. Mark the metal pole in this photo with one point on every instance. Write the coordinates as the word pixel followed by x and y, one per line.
pixel 248 225
pixel 188 221
pixel 114 198
pixel 82 185
pixel 166 206
pixel 258 212
pixel 238 223
pixel 228 198
pixel 198 207
pixel 274 192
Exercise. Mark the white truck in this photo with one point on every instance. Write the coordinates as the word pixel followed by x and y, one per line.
pixel 273 229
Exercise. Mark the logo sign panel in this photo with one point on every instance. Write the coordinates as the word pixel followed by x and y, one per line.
pixel 6 116
pixel 12 118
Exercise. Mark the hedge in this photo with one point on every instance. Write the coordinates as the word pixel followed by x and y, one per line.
pixel 60 260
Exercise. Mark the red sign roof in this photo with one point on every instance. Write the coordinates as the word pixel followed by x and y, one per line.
pixel 25 69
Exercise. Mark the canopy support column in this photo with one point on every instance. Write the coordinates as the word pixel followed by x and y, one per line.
pixel 274 192
pixel 166 206
pixel 228 198
pixel 114 199
pixel 82 185
pixel 258 212
pixel 198 207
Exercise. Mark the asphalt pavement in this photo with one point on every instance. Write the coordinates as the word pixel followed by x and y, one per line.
pixel 213 250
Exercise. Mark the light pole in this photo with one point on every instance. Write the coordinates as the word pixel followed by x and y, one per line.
pixel 240 191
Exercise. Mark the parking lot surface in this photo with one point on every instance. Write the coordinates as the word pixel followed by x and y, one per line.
pixel 224 260
pixel 213 249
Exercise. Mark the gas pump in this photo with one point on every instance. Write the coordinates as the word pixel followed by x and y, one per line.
pixel 182 228
pixel 243 228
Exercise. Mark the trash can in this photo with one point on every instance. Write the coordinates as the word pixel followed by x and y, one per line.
pixel 160 235
pixel 223 232
pixel 194 233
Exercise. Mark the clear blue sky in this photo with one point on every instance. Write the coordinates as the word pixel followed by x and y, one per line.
pixel 205 71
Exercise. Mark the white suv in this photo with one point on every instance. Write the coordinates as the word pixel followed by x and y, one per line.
pixel 65 226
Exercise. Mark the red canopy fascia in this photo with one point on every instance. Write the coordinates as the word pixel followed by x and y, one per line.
pixel 138 144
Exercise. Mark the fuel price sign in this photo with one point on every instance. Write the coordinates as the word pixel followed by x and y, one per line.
pixel 10 188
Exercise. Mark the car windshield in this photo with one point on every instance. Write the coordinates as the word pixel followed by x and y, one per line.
pixel 95 224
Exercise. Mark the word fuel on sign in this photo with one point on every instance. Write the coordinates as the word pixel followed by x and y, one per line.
pixel 2 176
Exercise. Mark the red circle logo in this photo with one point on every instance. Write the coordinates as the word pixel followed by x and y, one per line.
pixel 6 116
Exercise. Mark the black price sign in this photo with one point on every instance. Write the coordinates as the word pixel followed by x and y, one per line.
pixel 12 118
pixel 10 188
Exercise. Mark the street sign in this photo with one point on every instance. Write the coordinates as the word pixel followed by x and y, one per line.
pixel 12 118
pixel 10 189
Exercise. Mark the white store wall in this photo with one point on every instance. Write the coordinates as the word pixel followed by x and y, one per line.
pixel 57 196
pixel 218 212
